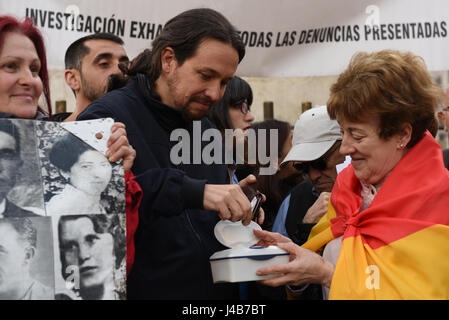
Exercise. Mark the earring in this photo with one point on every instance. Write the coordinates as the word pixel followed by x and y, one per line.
pixel 401 146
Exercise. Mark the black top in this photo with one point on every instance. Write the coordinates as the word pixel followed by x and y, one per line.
pixel 60 117
pixel 302 197
pixel 175 237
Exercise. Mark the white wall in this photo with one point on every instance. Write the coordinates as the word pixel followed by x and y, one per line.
pixel 60 90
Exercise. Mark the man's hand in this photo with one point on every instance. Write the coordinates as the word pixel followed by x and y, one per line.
pixel 250 182
pixel 119 147
pixel 318 209
pixel 229 200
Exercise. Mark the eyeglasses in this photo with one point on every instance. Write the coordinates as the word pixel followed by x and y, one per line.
pixel 243 106
pixel 319 164
pixel 303 167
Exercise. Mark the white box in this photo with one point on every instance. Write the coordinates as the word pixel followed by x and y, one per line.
pixel 241 262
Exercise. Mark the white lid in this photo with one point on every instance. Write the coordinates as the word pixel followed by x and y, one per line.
pixel 256 253
pixel 87 131
pixel 235 234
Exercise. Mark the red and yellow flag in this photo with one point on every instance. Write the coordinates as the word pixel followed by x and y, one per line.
pixel 398 248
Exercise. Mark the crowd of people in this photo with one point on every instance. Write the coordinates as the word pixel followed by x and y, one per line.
pixel 358 197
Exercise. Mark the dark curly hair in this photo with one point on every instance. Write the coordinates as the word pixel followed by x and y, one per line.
pixel 66 152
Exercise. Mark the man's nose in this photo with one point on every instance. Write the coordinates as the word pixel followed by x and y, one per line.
pixel 214 91
pixel 314 174
pixel 115 69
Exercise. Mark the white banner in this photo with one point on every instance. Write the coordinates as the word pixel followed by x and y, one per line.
pixel 284 38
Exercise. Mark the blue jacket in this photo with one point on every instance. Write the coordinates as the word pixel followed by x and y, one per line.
pixel 175 237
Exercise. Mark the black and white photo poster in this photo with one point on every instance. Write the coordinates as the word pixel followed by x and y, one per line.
pixel 62 213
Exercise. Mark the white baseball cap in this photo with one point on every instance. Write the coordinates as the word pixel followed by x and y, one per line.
pixel 314 134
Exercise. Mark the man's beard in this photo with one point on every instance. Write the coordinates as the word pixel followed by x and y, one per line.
pixel 187 113
pixel 115 81
pixel 90 92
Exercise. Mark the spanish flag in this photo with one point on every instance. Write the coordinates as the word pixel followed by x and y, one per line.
pixel 398 248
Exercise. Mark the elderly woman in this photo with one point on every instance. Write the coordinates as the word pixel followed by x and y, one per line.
pixel 386 233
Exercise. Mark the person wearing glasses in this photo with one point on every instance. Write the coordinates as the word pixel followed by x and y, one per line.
pixel 314 153
pixel 316 139
pixel 386 232
pixel 233 111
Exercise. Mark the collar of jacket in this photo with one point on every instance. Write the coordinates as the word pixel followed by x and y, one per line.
pixel 168 117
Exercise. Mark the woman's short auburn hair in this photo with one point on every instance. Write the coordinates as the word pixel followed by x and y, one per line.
pixel 391 86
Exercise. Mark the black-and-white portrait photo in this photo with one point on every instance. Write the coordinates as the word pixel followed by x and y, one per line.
pixel 21 193
pixel 62 213
pixel 26 255
pixel 77 178
pixel 91 261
